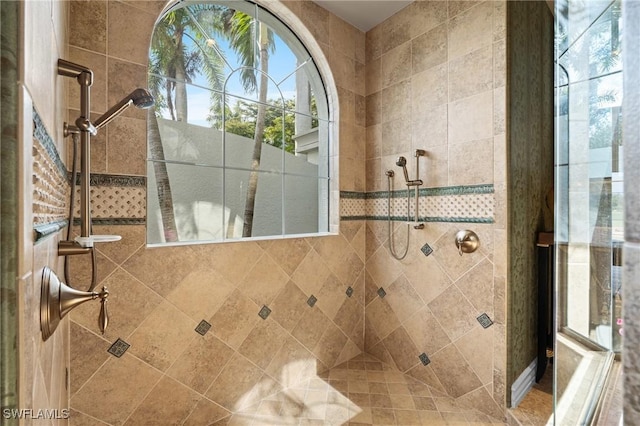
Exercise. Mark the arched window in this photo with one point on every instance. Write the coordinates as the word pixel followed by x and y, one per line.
pixel 239 137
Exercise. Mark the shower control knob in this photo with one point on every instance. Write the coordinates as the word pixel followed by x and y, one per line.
pixel 467 241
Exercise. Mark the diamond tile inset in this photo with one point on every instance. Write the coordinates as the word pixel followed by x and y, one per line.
pixel 349 291
pixel 381 292
pixel 264 312
pixel 426 249
pixel 424 359
pixel 485 321
pixel 312 300
pixel 203 327
pixel 118 348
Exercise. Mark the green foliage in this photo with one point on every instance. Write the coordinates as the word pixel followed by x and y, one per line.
pixel 279 123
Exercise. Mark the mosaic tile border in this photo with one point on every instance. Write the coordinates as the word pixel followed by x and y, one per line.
pixel 455 204
pixel 124 181
pixel 50 185
pixel 40 133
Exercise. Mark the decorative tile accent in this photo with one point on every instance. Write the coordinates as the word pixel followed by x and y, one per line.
pixel 118 348
pixel 115 202
pixel 381 292
pixel 312 300
pixel 466 204
pixel 424 359
pixel 42 230
pixel 264 312
pixel 50 186
pixel 203 327
pixel 426 249
pixel 98 179
pixel 41 135
pixel 485 321
pixel 349 291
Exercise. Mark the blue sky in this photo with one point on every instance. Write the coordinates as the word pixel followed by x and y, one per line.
pixel 281 63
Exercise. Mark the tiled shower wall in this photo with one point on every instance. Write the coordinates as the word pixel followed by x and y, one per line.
pixel 159 296
pixel 436 81
pixel 42 194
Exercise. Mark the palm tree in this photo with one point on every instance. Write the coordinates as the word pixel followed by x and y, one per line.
pixel 173 64
pixel 240 29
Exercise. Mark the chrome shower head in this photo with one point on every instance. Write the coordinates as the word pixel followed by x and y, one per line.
pixel 140 98
pixel 401 162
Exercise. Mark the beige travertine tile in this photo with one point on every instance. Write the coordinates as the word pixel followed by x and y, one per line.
pixel 426 375
pixel 264 281
pixel 499 20
pixel 396 65
pixel 80 419
pixel 162 336
pixel 477 285
pixel 395 101
pixel 427 277
pixel 428 89
pixel 383 416
pixel 311 327
pixel 289 306
pixel 123 17
pixel 129 303
pixel 429 49
pixel 201 293
pixel 331 296
pixel 423 16
pixel 499 64
pixel 373 108
pixel 401 348
pixel 126 146
pixel 454 313
pixel 426 332
pixel 400 133
pixel 468 155
pixel 403 299
pixel 471 118
pixel 161 269
pixel 289 253
pixel 311 274
pixel 330 345
pixel 235 319
pixel 342 36
pixel 454 373
pixel 384 270
pixel 232 261
pixel 206 412
pixel 89 29
pixel 121 382
pixel 133 237
pixel 471 74
pixel 446 254
pixel 373 77
pixel 263 342
pixel 84 358
pixel 201 362
pixel 456 7
pixel 292 363
pixel 481 400
pixel 471 30
pixel 349 317
pixel 182 400
pixel 480 360
pixel 394 33
pixel 234 383
pixel 381 317
pixel 317 20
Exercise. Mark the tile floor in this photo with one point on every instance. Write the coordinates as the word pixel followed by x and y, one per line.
pixel 362 391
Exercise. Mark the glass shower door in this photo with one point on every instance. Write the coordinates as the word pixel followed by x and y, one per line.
pixel 589 203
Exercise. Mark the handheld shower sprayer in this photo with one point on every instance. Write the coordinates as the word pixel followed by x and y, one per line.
pixel 402 162
pixel 140 98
